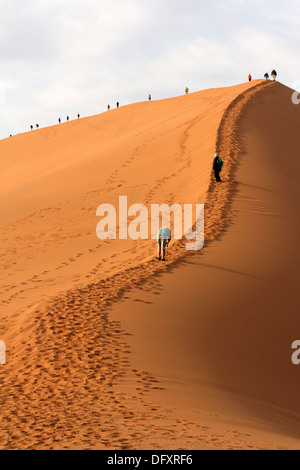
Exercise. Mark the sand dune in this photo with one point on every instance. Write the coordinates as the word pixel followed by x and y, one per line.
pixel 52 181
pixel 209 354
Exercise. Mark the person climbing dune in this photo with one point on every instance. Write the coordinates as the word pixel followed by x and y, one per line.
pixel 217 167
pixel 163 239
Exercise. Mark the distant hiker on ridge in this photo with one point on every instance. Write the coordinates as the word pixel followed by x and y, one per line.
pixel 108 107
pixel 249 77
pixel 118 104
pixel 37 126
pixel 68 118
pixel 59 120
pixel 217 167
pixel 186 90
pixel 163 239
pixel 31 127
pixel 78 116
pixel 274 74
pixel 149 97
pixel 266 76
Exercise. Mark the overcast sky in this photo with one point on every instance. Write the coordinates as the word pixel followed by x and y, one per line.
pixel 61 57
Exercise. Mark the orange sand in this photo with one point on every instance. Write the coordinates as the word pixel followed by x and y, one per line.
pixel 208 364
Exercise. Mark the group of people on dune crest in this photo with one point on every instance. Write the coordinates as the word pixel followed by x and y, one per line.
pixel 266 75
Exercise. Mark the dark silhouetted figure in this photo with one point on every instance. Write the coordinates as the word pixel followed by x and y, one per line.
pixel 68 118
pixel 37 126
pixel 217 167
pixel 59 120
pixel 118 104
pixel 108 107
pixel 78 116
pixel 274 74
pixel 266 76
pixel 31 127
pixel 149 97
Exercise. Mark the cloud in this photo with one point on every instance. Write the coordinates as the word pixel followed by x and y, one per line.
pixel 60 57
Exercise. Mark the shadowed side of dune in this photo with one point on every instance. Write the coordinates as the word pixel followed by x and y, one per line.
pixel 256 319
pixel 225 321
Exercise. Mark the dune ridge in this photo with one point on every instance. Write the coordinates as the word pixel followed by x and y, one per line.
pixel 70 351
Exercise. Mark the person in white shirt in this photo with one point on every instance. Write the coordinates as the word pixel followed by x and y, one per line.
pixel 163 239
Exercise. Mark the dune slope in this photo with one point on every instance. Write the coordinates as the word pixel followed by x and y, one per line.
pixel 53 179
pixel 69 381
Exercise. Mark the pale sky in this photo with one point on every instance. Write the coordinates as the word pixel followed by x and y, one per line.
pixel 61 57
